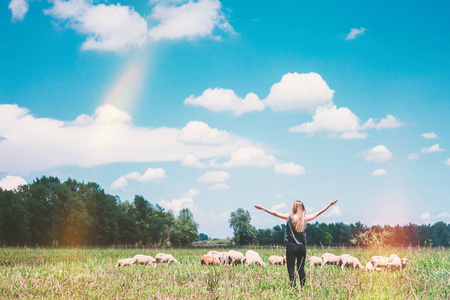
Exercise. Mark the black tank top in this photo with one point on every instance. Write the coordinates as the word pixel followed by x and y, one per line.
pixel 290 235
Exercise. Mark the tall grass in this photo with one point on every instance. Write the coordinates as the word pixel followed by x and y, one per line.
pixel 90 273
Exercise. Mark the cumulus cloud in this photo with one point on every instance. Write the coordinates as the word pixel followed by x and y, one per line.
pixel 219 187
pixel 250 157
pixel 389 122
pixel 334 212
pixel 157 175
pixel 379 172
pixel 355 32
pixel 108 27
pixel 429 135
pixel 425 216
pixel 336 122
pixel 223 100
pixel 108 136
pixel 447 162
pixel 431 149
pixel 190 160
pixel 196 132
pixel 183 19
pixel 19 9
pixel 12 182
pixel 303 92
pixel 413 156
pixel 186 200
pixel 288 169
pixel 378 154
pixel 443 215
pixel 277 207
pixel 214 176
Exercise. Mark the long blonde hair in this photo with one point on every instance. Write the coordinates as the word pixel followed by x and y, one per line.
pixel 298 216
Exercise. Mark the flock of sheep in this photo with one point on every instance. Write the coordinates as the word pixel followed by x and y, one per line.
pixel 233 258
pixel 376 263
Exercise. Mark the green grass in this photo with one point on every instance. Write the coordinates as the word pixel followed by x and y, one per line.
pixel 89 273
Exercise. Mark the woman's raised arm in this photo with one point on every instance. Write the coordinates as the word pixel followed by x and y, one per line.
pixel 273 213
pixel 316 214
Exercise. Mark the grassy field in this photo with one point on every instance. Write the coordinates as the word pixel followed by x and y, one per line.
pixel 90 273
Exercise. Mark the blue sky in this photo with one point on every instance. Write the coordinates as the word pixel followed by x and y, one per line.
pixel 219 105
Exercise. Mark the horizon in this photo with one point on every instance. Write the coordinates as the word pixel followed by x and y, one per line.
pixel 215 105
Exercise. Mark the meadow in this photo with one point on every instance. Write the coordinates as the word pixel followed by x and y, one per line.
pixel 90 273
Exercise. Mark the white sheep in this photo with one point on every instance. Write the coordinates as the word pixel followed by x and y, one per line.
pixel 396 263
pixel 235 257
pixel 348 261
pixel 314 260
pixel 162 258
pixel 222 256
pixel 252 257
pixel 277 260
pixel 145 259
pixel 370 267
pixel 379 261
pixel 126 262
pixel 330 259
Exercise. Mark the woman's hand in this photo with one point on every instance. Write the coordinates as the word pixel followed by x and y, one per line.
pixel 260 207
pixel 332 202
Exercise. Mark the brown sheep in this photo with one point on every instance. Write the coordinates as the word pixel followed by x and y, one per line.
pixel 209 260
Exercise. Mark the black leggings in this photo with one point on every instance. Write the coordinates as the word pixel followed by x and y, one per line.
pixel 293 252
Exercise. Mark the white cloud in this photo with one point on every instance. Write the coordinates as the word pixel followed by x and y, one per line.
pixel 335 212
pixel 354 32
pixel 425 216
pixel 109 136
pixel 277 207
pixel 280 195
pixel 214 176
pixel 443 215
pixel 413 156
pixel 186 200
pixel 429 135
pixel 108 27
pixel 431 149
pixel 379 172
pixel 12 182
pixel 447 162
pixel 304 92
pixel 337 122
pixel 249 157
pixel 188 20
pixel 190 160
pixel 389 122
pixel 196 132
pixel 221 100
pixel 378 154
pixel 157 175
pixel 288 169
pixel 19 9
pixel 219 187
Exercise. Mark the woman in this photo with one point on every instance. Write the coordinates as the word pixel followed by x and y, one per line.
pixel 295 236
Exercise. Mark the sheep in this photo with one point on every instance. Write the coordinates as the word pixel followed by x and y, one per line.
pixel 222 256
pixel 252 257
pixel 379 261
pixel 277 260
pixel 209 260
pixel 330 259
pixel 314 260
pixel 350 261
pixel 235 257
pixel 396 263
pixel 145 259
pixel 126 262
pixel 370 267
pixel 165 258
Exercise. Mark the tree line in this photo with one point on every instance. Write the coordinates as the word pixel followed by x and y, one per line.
pixel 334 234
pixel 48 212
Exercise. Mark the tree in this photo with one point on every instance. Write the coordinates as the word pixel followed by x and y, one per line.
pixel 244 232
pixel 203 237
pixel 185 230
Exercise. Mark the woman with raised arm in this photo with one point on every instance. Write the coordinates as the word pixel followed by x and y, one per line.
pixel 295 236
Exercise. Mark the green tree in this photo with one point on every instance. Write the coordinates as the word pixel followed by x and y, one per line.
pixel 244 232
pixel 185 230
